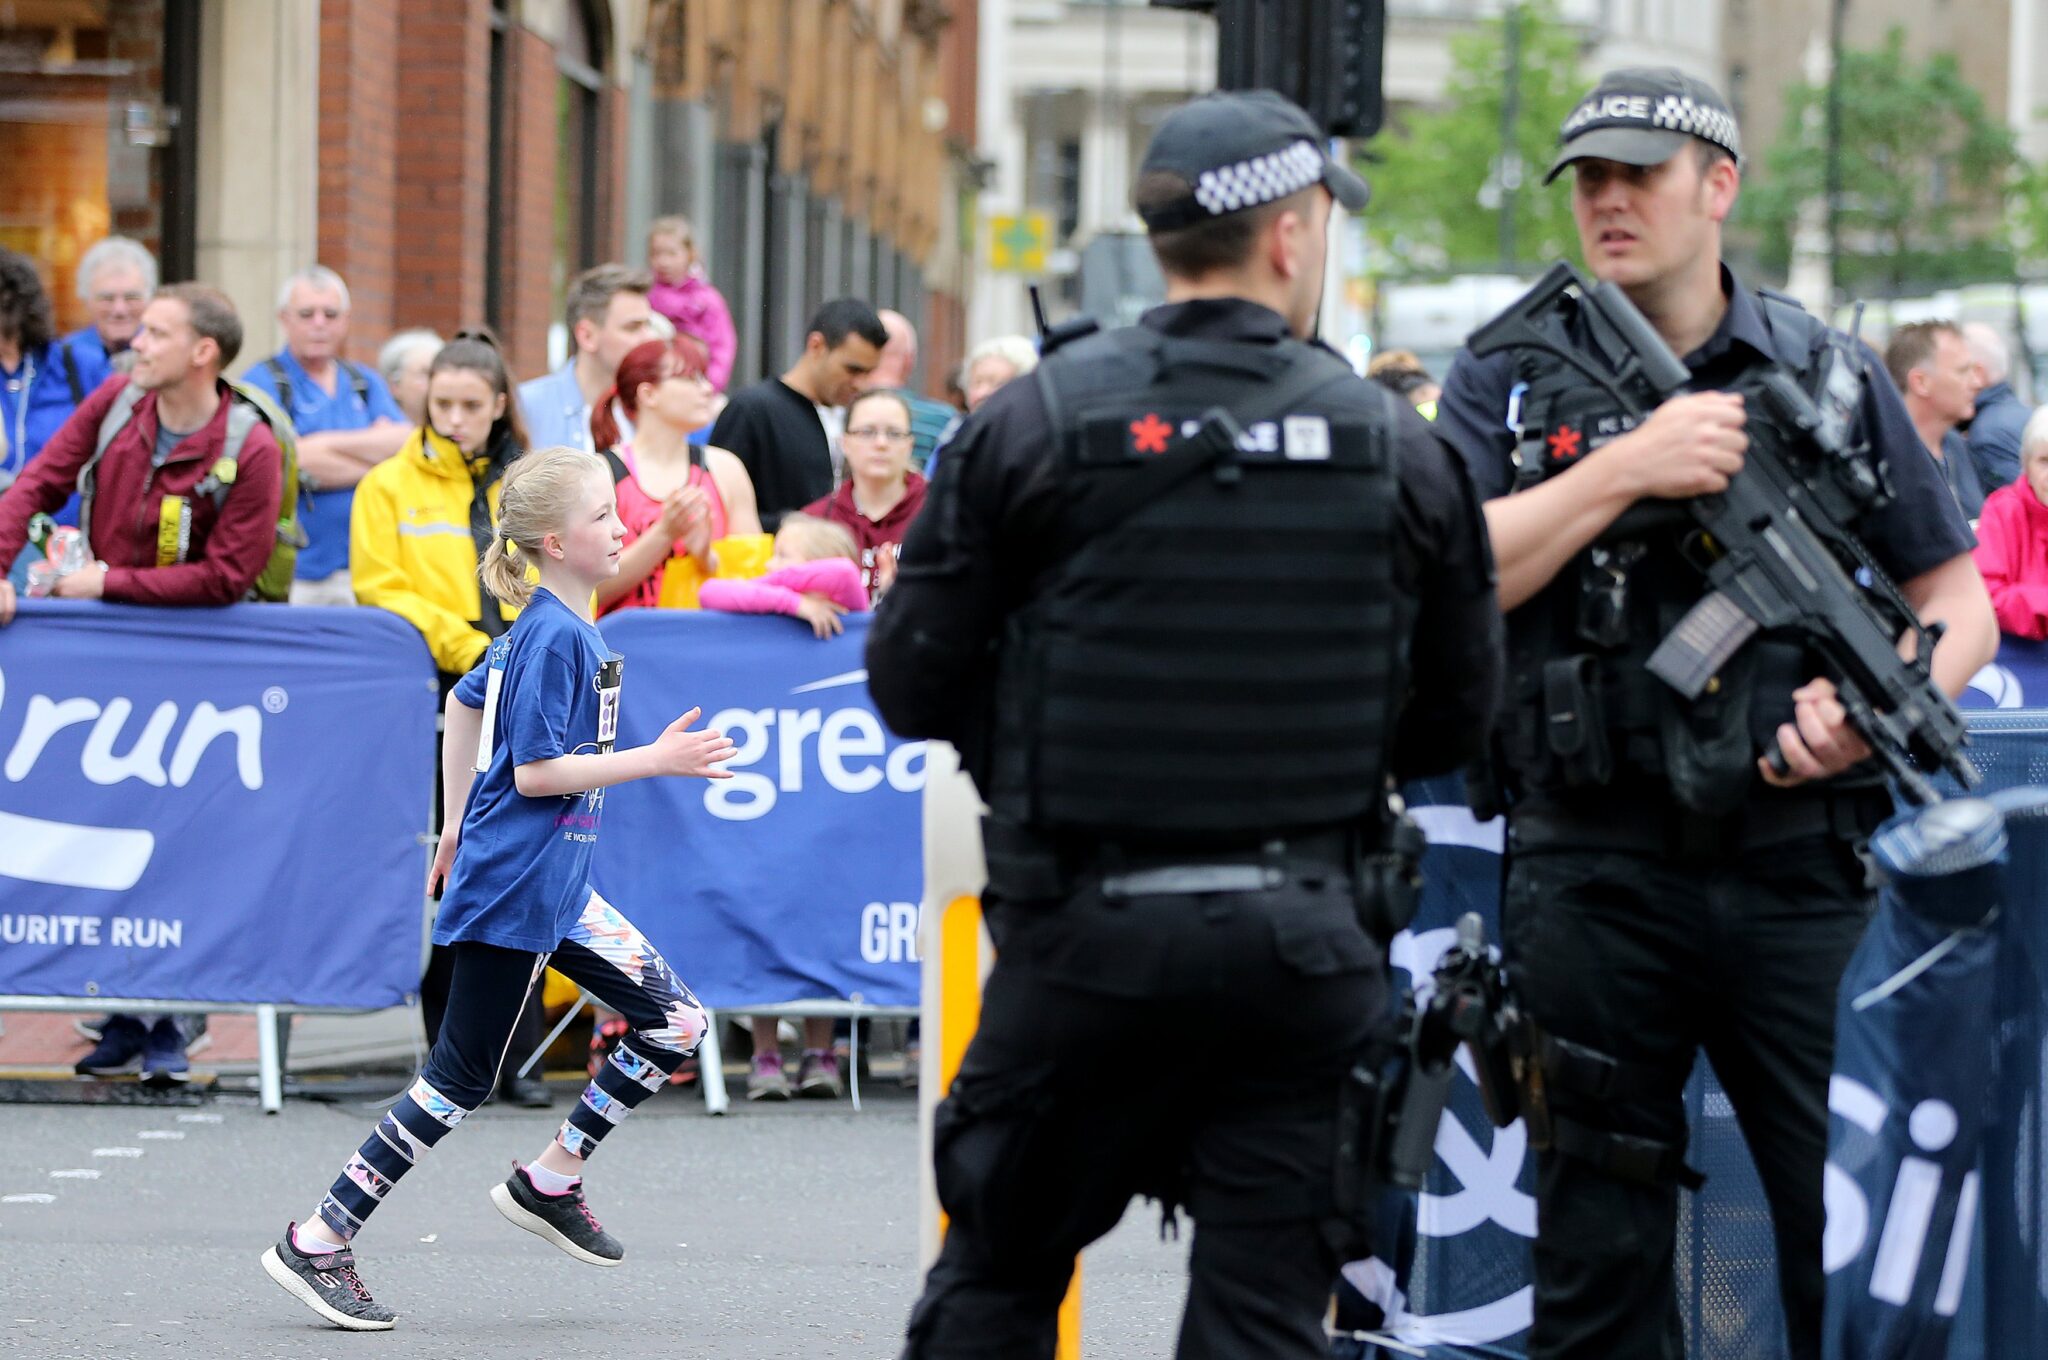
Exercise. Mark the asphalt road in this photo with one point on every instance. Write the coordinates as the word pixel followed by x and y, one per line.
pixel 783 1231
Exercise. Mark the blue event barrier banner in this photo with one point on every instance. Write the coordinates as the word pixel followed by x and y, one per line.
pixel 216 805
pixel 799 878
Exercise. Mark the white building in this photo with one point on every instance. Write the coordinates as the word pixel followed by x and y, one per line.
pixel 1072 89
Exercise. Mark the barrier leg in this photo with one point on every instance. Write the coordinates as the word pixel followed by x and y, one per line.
pixel 269 1060
pixel 582 999
pixel 853 1061
pixel 711 1068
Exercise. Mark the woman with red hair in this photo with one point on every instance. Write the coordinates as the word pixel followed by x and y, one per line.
pixel 676 499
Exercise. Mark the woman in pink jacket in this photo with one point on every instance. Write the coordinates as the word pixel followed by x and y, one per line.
pixel 683 293
pixel 2012 539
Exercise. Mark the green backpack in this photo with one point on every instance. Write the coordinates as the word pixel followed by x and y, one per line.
pixel 248 406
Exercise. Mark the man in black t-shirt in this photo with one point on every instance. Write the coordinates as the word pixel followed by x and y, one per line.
pixel 774 426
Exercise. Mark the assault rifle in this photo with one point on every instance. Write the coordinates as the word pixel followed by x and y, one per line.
pixel 1779 547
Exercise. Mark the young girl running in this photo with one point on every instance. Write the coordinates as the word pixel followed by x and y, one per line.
pixel 540 713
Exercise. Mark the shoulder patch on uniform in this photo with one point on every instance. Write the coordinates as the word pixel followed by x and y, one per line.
pixel 1305 437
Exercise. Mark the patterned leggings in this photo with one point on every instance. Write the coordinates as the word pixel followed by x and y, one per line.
pixel 603 954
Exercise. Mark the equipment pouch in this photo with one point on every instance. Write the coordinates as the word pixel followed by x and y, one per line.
pixel 1573 720
pixel 1389 883
pixel 1603 594
pixel 1362 1111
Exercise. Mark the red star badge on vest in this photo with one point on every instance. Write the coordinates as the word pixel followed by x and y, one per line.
pixel 1564 443
pixel 1149 435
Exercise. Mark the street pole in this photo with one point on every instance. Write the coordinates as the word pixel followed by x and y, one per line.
pixel 1837 19
pixel 1510 172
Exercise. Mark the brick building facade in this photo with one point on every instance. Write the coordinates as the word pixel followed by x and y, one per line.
pixel 458 160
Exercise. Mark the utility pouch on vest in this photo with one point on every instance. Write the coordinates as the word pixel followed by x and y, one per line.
pixel 1603 593
pixel 1388 883
pixel 1573 721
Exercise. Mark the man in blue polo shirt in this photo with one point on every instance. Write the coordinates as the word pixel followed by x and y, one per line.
pixel 116 279
pixel 607 315
pixel 346 418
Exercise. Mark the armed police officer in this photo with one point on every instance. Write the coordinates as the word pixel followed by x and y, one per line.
pixel 1673 886
pixel 1186 601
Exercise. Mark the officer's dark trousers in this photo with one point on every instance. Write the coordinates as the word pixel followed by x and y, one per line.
pixel 1211 1082
pixel 1650 961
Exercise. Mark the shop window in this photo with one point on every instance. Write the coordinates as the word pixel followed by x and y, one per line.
pixel 95 133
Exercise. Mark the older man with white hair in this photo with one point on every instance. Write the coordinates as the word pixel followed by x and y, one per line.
pixel 928 418
pixel 346 418
pixel 2001 416
pixel 116 279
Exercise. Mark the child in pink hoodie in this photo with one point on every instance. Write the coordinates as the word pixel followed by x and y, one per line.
pixel 814 576
pixel 684 295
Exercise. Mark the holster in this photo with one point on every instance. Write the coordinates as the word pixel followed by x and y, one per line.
pixel 1388 881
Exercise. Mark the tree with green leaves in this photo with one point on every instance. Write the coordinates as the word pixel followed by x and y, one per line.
pixel 1924 170
pixel 1437 195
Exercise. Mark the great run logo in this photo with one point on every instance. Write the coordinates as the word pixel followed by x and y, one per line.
pixel 845 748
pixel 165 753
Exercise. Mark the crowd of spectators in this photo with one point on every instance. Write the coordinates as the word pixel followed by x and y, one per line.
pixel 790 497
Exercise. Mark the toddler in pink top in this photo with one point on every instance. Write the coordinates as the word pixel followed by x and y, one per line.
pixel 814 576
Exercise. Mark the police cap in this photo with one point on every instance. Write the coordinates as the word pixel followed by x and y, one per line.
pixel 1240 149
pixel 1644 115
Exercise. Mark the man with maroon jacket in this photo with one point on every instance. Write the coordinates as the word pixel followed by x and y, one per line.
pixel 168 446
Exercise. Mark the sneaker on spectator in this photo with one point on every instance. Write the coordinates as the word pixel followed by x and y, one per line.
pixel 163 1054
pixel 564 1219
pixel 327 1283
pixel 818 1078
pixel 119 1049
pixel 92 1028
pixel 766 1080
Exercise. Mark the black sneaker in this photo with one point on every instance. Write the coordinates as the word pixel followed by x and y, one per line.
pixel 328 1284
pixel 564 1220
pixel 119 1050
pixel 92 1027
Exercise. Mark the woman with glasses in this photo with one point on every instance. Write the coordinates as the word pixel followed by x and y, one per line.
pixel 881 495
pixel 676 499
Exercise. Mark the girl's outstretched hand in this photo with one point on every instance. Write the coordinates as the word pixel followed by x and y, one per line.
pixel 678 750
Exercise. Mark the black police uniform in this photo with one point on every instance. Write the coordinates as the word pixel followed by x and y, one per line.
pixel 1182 975
pixel 1661 898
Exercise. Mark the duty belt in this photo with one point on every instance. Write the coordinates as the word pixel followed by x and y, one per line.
pixel 1053 867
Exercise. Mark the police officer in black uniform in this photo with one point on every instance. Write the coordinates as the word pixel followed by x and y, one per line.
pixel 1185 603
pixel 1667 892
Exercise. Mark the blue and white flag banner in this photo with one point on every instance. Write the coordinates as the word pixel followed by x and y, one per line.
pixel 798 878
pixel 220 805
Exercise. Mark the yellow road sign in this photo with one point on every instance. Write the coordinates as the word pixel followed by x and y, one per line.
pixel 1018 243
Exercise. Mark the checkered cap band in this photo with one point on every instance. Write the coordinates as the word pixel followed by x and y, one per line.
pixel 1659 113
pixel 1263 179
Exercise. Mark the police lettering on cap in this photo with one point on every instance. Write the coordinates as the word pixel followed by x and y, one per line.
pixel 1645 115
pixel 1238 150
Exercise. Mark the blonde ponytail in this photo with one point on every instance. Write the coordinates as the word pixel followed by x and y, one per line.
pixel 539 493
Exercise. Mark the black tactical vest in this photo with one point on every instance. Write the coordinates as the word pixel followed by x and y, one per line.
pixel 1218 655
pixel 1583 710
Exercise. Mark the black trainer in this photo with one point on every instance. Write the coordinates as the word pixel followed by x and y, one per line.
pixel 564 1220
pixel 328 1284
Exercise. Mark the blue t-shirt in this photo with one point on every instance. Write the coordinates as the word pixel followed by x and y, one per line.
pixel 522 871
pixel 313 411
